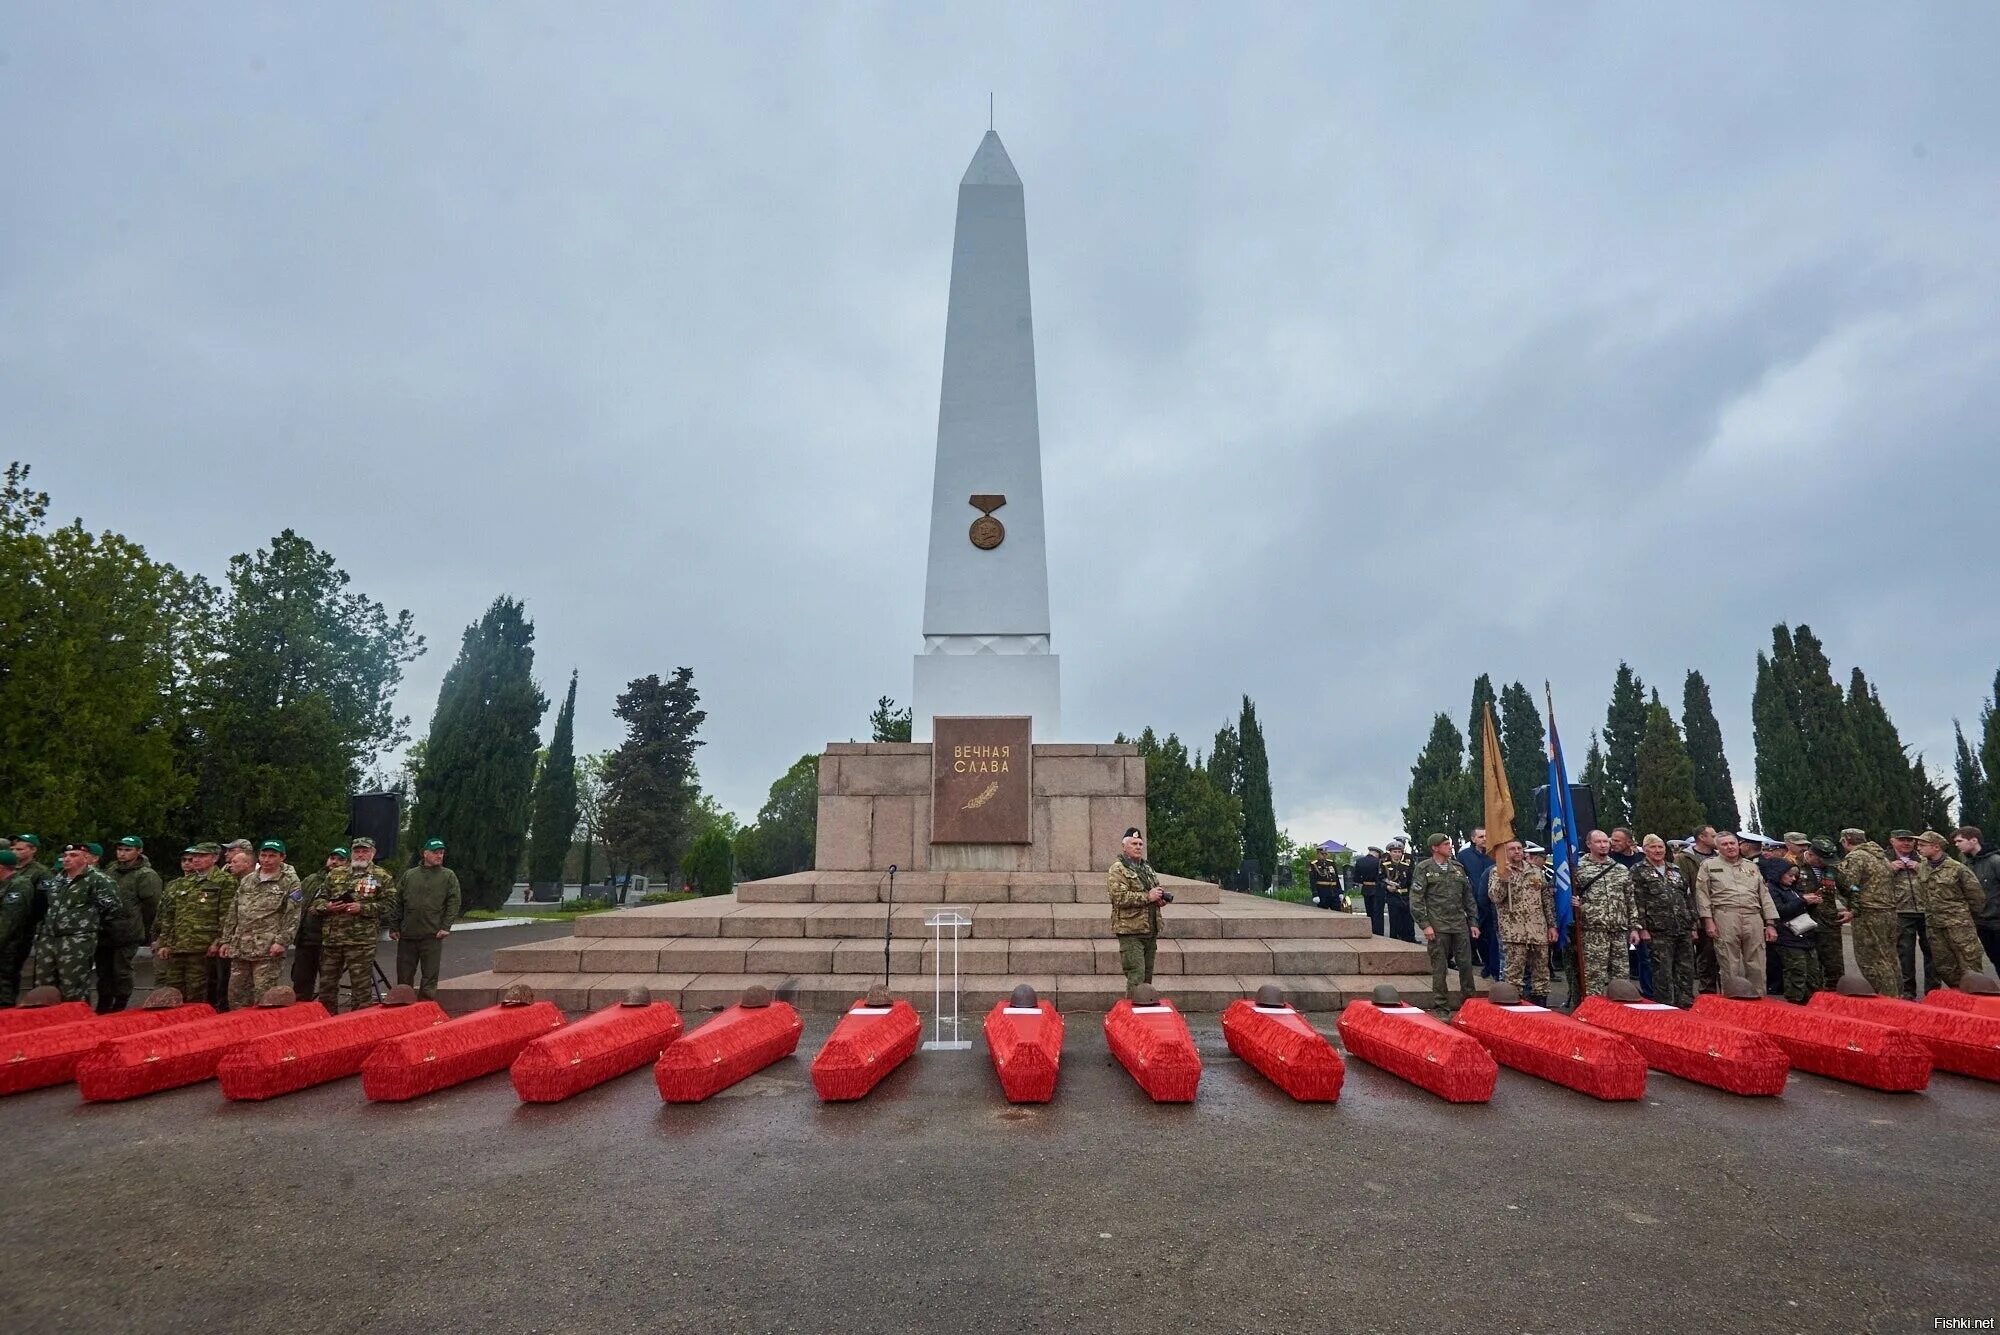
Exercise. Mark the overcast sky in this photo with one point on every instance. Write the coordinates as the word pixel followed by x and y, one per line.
pixel 1376 349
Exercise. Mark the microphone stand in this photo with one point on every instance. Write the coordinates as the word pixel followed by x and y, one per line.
pixel 887 924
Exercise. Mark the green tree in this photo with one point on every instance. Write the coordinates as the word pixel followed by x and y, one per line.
pixel 476 786
pixel 1193 827
pixel 1665 802
pixel 1820 715
pixel 1713 783
pixel 707 863
pixel 1885 792
pixel 1595 780
pixel 1440 798
pixel 590 772
pixel 1971 776
pixel 787 829
pixel 651 783
pixel 1475 742
pixel 1784 784
pixel 293 693
pixel 92 673
pixel 1933 803
pixel 1260 817
pixel 1624 726
pixel 1225 761
pixel 1989 760
pixel 553 826
pixel 1524 744
pixel 888 723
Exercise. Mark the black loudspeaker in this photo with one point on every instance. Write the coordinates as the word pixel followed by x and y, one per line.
pixel 1582 801
pixel 377 816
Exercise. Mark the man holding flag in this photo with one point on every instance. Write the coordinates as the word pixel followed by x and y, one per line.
pixel 1524 909
pixel 1562 842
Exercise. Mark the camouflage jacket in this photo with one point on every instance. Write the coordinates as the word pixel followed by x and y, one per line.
pixel 1526 903
pixel 1903 883
pixel 1132 914
pixel 1441 896
pixel 427 902
pixel 370 887
pixel 20 906
pixel 1735 886
pixel 1821 881
pixel 88 905
pixel 139 886
pixel 263 914
pixel 1867 874
pixel 1602 896
pixel 1664 898
pixel 192 909
pixel 1948 891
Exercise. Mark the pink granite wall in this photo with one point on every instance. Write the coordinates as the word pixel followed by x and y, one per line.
pixel 875 809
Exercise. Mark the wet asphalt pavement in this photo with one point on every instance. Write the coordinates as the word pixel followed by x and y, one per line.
pixel 933 1205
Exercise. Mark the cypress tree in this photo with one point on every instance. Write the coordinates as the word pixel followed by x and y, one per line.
pixel 1666 802
pixel 1225 761
pixel 1440 798
pixel 1594 778
pixel 1971 777
pixel 1819 713
pixel 1475 741
pixel 1933 803
pixel 1782 781
pixel 555 805
pixel 1989 760
pixel 651 786
pixel 1260 817
pixel 1703 735
pixel 1624 726
pixel 1885 793
pixel 479 763
pixel 1525 746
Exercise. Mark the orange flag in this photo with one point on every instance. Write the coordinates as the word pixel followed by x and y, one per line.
pixel 1499 802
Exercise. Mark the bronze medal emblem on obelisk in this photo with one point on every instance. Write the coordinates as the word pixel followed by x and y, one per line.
pixel 987 532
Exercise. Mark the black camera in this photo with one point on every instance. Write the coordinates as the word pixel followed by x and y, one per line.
pixel 1166 895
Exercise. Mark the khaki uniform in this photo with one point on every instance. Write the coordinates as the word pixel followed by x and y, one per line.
pixel 191 912
pixel 347 940
pixel 1135 919
pixel 1951 895
pixel 1441 902
pixel 1525 905
pixel 1735 896
pixel 262 915
pixel 1872 895
pixel 1605 918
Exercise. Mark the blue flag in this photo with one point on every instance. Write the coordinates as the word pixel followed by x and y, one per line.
pixel 1562 826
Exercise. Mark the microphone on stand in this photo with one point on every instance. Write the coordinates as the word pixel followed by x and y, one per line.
pixel 887 925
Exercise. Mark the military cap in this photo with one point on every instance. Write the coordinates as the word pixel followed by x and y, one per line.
pixel 433 845
pixel 191 848
pixel 271 846
pixel 1398 842
pixel 210 847
pixel 1133 832
pixel 1854 833
pixel 34 839
pixel 1385 994
pixel 340 853
pixel 1901 834
pixel 1437 839
pixel 1825 847
pixel 1794 837
pixel 364 842
pixel 131 841
pixel 1750 837
pixel 1504 994
pixel 77 848
pixel 1931 837
pixel 1534 847
pixel 7 858
pixel 94 848
pixel 1372 848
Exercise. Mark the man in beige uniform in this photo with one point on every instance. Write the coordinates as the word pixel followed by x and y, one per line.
pixel 1736 909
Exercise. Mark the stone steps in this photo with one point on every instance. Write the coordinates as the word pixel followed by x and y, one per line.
pixel 958 887
pixel 577 992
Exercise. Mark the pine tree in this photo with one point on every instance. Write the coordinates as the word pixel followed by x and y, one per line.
pixel 652 786
pixel 1782 781
pixel 1971 777
pixel 1885 793
pixel 1989 760
pixel 1712 781
pixel 1225 761
pixel 1595 779
pixel 1260 817
pixel 479 762
pixel 1819 714
pixel 1666 802
pixel 1440 798
pixel 553 826
pixel 1624 726
pixel 888 723
pixel 1525 745
pixel 1475 741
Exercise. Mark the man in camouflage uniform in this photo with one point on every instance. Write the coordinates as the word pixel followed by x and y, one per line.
pixel 21 908
pixel 1951 896
pixel 83 906
pixel 16 902
pixel 262 922
pixel 1665 901
pixel 1912 930
pixel 139 886
pixel 1872 896
pixel 1707 973
pixel 306 950
pixel 1817 878
pixel 1524 904
pixel 1441 903
pixel 187 938
pixel 1136 898
pixel 353 903
pixel 1601 897
pixel 427 904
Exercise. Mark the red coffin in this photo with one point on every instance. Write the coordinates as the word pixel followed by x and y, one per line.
pixel 1290 1053
pixel 734 1045
pixel 1026 1044
pixel 15 1020
pixel 315 1053
pixel 867 1044
pixel 1857 1051
pixel 180 1054
pixel 1951 999
pixel 43 1057
pixel 1960 1042
pixel 595 1049
pixel 1152 1043
pixel 485 1041
pixel 1693 1047
pixel 1409 1042
pixel 1541 1042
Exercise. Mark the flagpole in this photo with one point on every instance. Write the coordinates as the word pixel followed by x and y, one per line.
pixel 1575 927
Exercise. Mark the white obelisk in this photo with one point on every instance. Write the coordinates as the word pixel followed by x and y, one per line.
pixel 986 599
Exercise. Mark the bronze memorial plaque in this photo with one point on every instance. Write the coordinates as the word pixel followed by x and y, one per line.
pixel 982 788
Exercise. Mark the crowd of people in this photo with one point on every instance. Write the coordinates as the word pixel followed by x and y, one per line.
pixel 1679 916
pixel 238 922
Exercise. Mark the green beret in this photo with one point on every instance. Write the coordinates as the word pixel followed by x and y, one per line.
pixel 131 841
pixel 1437 839
pixel 271 846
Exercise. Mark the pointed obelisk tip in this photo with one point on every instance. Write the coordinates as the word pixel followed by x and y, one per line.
pixel 991 165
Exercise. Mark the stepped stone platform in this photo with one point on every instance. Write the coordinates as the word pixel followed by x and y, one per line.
pixel 820 934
